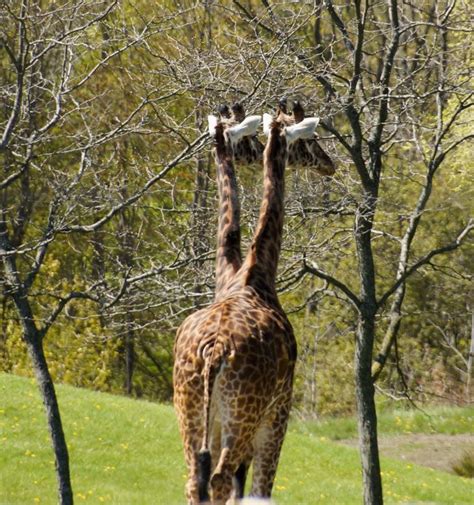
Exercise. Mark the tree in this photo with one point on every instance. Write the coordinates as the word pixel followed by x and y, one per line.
pixel 60 129
pixel 403 90
pixel 104 106
pixel 398 98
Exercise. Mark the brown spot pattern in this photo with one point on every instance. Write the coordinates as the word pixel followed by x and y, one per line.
pixel 234 360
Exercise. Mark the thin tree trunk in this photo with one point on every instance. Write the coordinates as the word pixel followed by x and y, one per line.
pixel 395 319
pixel 469 360
pixel 48 393
pixel 34 343
pixel 314 389
pixel 127 243
pixel 367 415
pixel 129 356
pixel 199 220
pixel 366 411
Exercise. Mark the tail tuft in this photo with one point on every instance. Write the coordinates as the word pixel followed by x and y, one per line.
pixel 204 465
pixel 240 477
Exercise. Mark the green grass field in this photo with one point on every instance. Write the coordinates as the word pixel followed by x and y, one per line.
pixel 127 452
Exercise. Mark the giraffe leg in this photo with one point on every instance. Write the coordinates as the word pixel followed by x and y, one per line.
pixel 228 479
pixel 221 480
pixel 192 484
pixel 268 443
pixel 199 469
pixel 190 425
pixel 239 479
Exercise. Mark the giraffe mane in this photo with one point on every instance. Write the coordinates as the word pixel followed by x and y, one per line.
pixel 275 137
pixel 219 139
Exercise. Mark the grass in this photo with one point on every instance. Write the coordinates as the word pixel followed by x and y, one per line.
pixel 441 420
pixel 127 452
pixel 465 465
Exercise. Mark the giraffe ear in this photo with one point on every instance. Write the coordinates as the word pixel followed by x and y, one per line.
pixel 267 121
pixel 302 130
pixel 212 122
pixel 246 128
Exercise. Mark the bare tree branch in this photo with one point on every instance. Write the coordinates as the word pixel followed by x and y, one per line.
pixel 452 246
pixel 313 269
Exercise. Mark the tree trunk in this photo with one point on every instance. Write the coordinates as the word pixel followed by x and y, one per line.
pixel 128 244
pixel 34 343
pixel 366 411
pixel 48 393
pixel 469 361
pixel 129 357
pixel 367 415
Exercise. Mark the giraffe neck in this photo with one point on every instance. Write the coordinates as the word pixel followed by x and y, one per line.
pixel 229 256
pixel 261 263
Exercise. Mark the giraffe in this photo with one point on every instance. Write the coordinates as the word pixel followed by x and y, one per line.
pixel 304 152
pixel 229 255
pixel 234 360
pixel 229 145
pixel 247 149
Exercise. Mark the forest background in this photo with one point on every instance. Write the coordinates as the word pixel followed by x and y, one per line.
pixel 108 195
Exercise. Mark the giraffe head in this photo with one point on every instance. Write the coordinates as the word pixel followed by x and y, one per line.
pixel 298 112
pixel 303 147
pixel 240 133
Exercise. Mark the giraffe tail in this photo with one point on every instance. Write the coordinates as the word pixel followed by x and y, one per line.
pixel 212 354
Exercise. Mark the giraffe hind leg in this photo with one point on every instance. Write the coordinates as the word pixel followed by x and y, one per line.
pixel 240 478
pixel 228 479
pixel 221 480
pixel 269 440
pixel 192 485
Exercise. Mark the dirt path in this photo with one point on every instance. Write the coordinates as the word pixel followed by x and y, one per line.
pixel 434 451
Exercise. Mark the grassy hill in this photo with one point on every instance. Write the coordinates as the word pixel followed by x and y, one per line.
pixel 127 452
